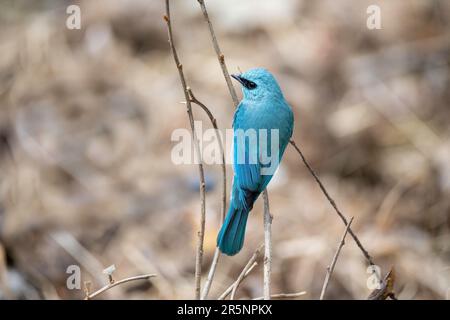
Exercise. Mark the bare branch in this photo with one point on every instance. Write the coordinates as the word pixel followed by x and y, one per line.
pixel 211 274
pixel 219 54
pixel 114 284
pixel 284 295
pixel 201 233
pixel 215 261
pixel 267 246
pixel 248 267
pixel 333 203
pixel 221 148
pixel 330 268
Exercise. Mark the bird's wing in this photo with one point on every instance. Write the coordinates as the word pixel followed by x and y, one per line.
pixel 248 177
pixel 254 176
pixel 247 174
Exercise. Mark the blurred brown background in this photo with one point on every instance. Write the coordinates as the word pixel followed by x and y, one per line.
pixel 87 115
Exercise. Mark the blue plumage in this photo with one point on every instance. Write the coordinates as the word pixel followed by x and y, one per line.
pixel 262 109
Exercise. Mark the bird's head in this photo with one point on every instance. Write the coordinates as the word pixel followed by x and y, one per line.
pixel 258 83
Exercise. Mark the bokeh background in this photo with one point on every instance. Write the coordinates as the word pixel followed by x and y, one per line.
pixel 86 176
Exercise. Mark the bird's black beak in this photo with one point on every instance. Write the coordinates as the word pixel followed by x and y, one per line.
pixel 239 78
pixel 245 82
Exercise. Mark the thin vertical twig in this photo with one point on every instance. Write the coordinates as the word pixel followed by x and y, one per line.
pixel 216 257
pixel 330 268
pixel 201 233
pixel 211 274
pixel 220 55
pixel 333 204
pixel 267 246
pixel 226 74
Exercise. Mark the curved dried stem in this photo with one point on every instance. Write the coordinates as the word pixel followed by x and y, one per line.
pixel 217 253
pixel 221 148
pixel 90 296
pixel 219 54
pixel 201 233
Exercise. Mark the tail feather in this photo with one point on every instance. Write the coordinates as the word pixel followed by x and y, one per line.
pixel 231 236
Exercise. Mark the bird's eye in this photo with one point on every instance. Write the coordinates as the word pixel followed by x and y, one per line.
pixel 251 85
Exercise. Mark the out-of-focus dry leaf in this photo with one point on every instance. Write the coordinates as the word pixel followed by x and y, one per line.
pixel 387 288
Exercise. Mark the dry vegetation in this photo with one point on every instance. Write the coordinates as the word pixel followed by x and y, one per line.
pixel 87 116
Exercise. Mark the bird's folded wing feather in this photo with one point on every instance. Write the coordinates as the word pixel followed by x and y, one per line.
pixel 247 174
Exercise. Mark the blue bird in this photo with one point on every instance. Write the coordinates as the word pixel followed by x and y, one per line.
pixel 262 109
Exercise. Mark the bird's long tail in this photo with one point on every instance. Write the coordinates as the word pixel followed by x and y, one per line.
pixel 231 236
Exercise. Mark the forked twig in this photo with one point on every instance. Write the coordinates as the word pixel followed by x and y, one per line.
pixel 201 233
pixel 221 148
pixel 248 267
pixel 330 268
pixel 215 260
pixel 231 287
